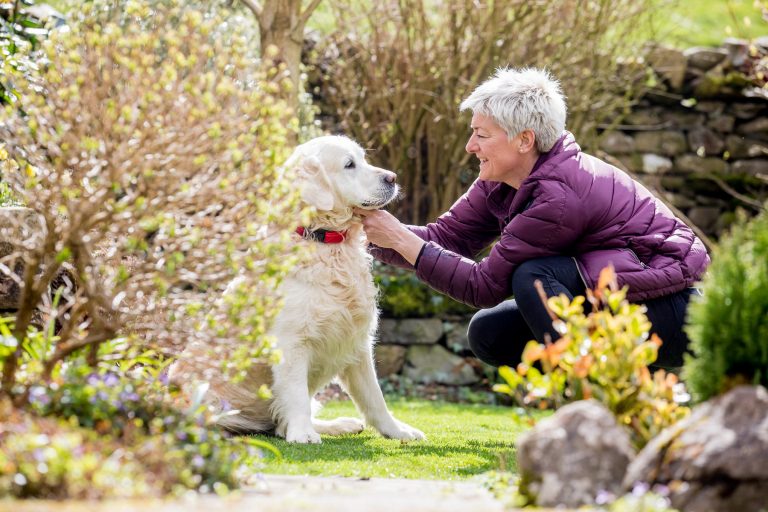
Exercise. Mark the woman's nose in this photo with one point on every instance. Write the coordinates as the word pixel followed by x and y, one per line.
pixel 471 146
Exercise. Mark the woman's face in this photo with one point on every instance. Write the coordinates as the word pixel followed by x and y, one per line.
pixel 501 159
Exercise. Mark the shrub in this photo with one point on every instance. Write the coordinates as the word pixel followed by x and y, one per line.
pixel 602 355
pixel 403 295
pixel 149 149
pixel 728 325
pixel 393 73
pixel 115 434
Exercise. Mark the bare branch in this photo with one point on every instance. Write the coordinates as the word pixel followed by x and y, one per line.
pixel 754 203
pixel 305 15
pixel 254 6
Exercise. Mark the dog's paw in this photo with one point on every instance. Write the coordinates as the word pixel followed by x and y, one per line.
pixel 339 426
pixel 302 436
pixel 403 432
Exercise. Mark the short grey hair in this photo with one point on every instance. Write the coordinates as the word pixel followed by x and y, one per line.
pixel 522 99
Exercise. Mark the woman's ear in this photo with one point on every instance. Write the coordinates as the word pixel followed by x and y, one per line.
pixel 527 141
pixel 314 184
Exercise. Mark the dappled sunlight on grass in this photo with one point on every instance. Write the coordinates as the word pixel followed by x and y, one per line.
pixel 462 441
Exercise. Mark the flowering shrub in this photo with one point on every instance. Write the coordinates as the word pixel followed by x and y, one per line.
pixel 149 146
pixel 146 145
pixel 602 355
pixel 99 432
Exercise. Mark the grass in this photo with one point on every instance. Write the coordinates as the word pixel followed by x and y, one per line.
pixel 687 23
pixel 462 441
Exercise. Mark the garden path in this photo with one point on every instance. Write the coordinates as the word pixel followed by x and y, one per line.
pixel 278 493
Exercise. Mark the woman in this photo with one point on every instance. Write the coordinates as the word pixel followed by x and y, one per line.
pixel 560 216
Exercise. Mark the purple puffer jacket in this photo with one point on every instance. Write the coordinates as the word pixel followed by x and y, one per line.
pixel 572 204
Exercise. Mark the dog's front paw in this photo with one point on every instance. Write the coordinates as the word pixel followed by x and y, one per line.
pixel 301 435
pixel 338 426
pixel 404 432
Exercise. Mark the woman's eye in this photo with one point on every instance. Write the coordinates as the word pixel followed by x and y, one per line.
pixel 349 165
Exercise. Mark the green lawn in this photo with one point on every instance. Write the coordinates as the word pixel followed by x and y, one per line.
pixel 686 23
pixel 462 441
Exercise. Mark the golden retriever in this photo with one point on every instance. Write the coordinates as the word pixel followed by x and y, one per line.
pixel 327 324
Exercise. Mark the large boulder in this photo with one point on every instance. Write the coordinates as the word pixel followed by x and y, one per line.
pixel 716 460
pixel 570 457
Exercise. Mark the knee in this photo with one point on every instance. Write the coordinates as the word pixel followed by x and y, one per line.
pixel 526 275
pixel 481 334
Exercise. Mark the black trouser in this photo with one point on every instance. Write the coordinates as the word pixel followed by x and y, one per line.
pixel 499 334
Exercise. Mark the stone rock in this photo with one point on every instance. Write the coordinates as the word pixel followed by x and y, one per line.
pixel 456 336
pixel 755 92
pixel 738 51
pixel 714 460
pixel 410 331
pixel 568 458
pixel 721 123
pixel 750 167
pixel 758 125
pixel 617 143
pixel 434 364
pixel 665 142
pixel 679 118
pixel 741 147
pixel 646 117
pixel 670 64
pixel 705 58
pixel 704 141
pixel 695 164
pixel 656 164
pixel 680 200
pixel 705 217
pixel 747 110
pixel 389 359
pixel 710 107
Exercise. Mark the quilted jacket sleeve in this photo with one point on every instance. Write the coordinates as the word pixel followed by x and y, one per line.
pixel 465 229
pixel 544 228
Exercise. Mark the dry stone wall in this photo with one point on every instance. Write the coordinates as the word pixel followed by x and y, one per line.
pixel 699 136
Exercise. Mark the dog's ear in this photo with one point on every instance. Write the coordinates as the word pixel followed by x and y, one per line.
pixel 314 184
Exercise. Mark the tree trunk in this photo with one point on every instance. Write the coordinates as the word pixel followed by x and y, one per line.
pixel 281 24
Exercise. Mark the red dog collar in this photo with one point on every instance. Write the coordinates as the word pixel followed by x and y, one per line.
pixel 322 235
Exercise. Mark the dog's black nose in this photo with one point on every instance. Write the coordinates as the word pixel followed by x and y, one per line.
pixel 390 177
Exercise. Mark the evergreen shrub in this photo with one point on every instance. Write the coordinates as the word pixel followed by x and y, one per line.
pixel 728 324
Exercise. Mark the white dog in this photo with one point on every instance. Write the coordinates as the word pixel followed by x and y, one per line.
pixel 329 317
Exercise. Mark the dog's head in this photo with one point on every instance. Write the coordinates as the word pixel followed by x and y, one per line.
pixel 334 176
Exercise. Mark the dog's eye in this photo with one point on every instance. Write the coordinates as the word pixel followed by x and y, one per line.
pixel 350 164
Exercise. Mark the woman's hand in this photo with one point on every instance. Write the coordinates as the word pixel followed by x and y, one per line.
pixel 384 230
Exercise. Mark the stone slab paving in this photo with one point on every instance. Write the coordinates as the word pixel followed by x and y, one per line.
pixel 277 493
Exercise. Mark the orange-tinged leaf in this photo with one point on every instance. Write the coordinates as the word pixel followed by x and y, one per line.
pixel 533 351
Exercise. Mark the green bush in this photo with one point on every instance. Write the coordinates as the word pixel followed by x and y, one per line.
pixel 403 295
pixel 603 355
pixel 728 325
pixel 116 430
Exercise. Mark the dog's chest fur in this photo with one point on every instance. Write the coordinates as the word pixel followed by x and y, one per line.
pixel 330 309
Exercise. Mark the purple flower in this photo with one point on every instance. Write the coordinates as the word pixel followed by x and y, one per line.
pixel 110 380
pixel 39 396
pixel 93 379
pixel 604 497
pixel 198 461
pixel 163 377
pixel 640 489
